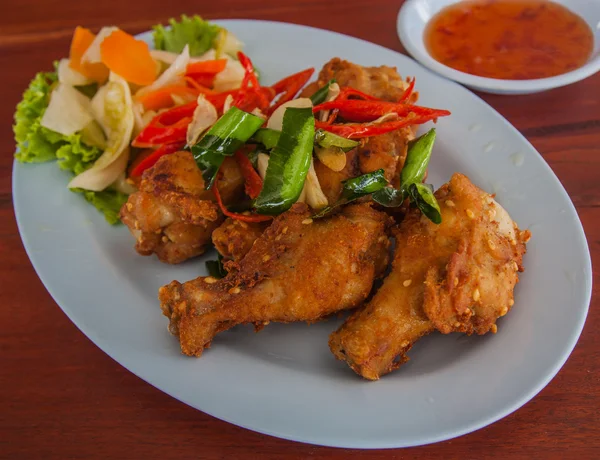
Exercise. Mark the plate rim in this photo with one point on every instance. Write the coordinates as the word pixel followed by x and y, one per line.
pixel 472 426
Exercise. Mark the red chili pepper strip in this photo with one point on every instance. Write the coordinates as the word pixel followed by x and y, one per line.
pixel 364 111
pixel 154 134
pixel 175 114
pixel 407 93
pixel 151 159
pixel 289 87
pixel 347 91
pixel 253 182
pixel 332 115
pixel 206 80
pixel 357 130
pixel 235 215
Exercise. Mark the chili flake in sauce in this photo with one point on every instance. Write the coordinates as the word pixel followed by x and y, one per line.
pixel 509 39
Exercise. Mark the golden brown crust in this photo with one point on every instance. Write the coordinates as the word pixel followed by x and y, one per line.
pixel 234 238
pixel 458 276
pixel 172 215
pixel 298 270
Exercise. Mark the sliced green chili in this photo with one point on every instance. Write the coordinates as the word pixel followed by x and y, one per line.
pixel 226 136
pixel 417 159
pixel 321 94
pixel 422 196
pixel 289 162
pixel 326 140
pixel 267 137
pixel 388 197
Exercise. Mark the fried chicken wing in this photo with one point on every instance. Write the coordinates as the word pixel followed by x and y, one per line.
pixel 171 214
pixel 386 151
pixel 298 270
pixel 458 276
pixel 234 238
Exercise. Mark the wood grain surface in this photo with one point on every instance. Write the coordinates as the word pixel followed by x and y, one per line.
pixel 61 397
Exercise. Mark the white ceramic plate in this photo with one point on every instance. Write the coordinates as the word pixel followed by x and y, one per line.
pixel 284 381
pixel 415 14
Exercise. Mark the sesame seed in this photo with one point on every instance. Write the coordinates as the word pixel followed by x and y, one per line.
pixel 266 323
pixel 235 290
pixel 476 295
pixel 210 280
pixel 491 245
pixel 158 231
pixel 354 267
pixel 405 344
pixel 494 329
pixel 165 239
pixel 492 213
pixel 265 258
pixel 307 221
pixel 457 324
pixel 504 311
pixel 242 224
pixel 515 266
pixel 284 231
pixel 129 206
pixel 450 203
pixel 278 237
pixel 136 224
pixel 407 283
pixel 456 281
pixel 511 302
pixel 381 239
pixel 471 214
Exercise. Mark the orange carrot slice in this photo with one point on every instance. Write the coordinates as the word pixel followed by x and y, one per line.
pixel 161 98
pixel 128 57
pixel 82 39
pixel 213 66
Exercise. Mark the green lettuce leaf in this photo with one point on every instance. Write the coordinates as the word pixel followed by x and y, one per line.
pixel 200 35
pixel 36 144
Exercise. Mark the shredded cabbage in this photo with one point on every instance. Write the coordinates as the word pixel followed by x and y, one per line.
pixel 36 144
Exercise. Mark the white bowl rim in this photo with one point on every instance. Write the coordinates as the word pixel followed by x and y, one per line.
pixel 495 84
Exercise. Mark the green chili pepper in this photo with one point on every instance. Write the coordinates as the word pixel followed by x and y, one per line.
pixel 422 196
pixel 357 187
pixel 226 136
pixel 321 94
pixel 417 160
pixel 267 137
pixel 215 268
pixel 326 139
pixel 289 162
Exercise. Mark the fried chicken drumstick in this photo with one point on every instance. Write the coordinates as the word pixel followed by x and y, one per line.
pixel 298 270
pixel 458 276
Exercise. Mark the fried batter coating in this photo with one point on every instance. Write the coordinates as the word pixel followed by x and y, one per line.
pixel 298 270
pixel 171 214
pixel 234 238
pixel 386 151
pixel 458 276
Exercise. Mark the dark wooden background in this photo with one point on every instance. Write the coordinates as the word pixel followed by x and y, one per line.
pixel 61 397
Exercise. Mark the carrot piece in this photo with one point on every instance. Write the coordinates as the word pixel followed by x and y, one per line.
pixel 213 66
pixel 82 39
pixel 235 215
pixel 128 57
pixel 161 98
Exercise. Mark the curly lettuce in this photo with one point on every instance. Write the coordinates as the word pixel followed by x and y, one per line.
pixel 199 34
pixel 36 144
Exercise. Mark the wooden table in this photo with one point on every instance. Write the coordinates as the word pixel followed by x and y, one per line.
pixel 62 397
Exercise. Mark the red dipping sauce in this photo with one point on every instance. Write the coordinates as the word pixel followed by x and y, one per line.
pixel 509 39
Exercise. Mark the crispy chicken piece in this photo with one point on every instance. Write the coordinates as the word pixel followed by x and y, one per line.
pixel 234 238
pixel 387 151
pixel 298 270
pixel 171 214
pixel 458 276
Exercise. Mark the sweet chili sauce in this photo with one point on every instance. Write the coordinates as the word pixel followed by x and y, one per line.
pixel 509 39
